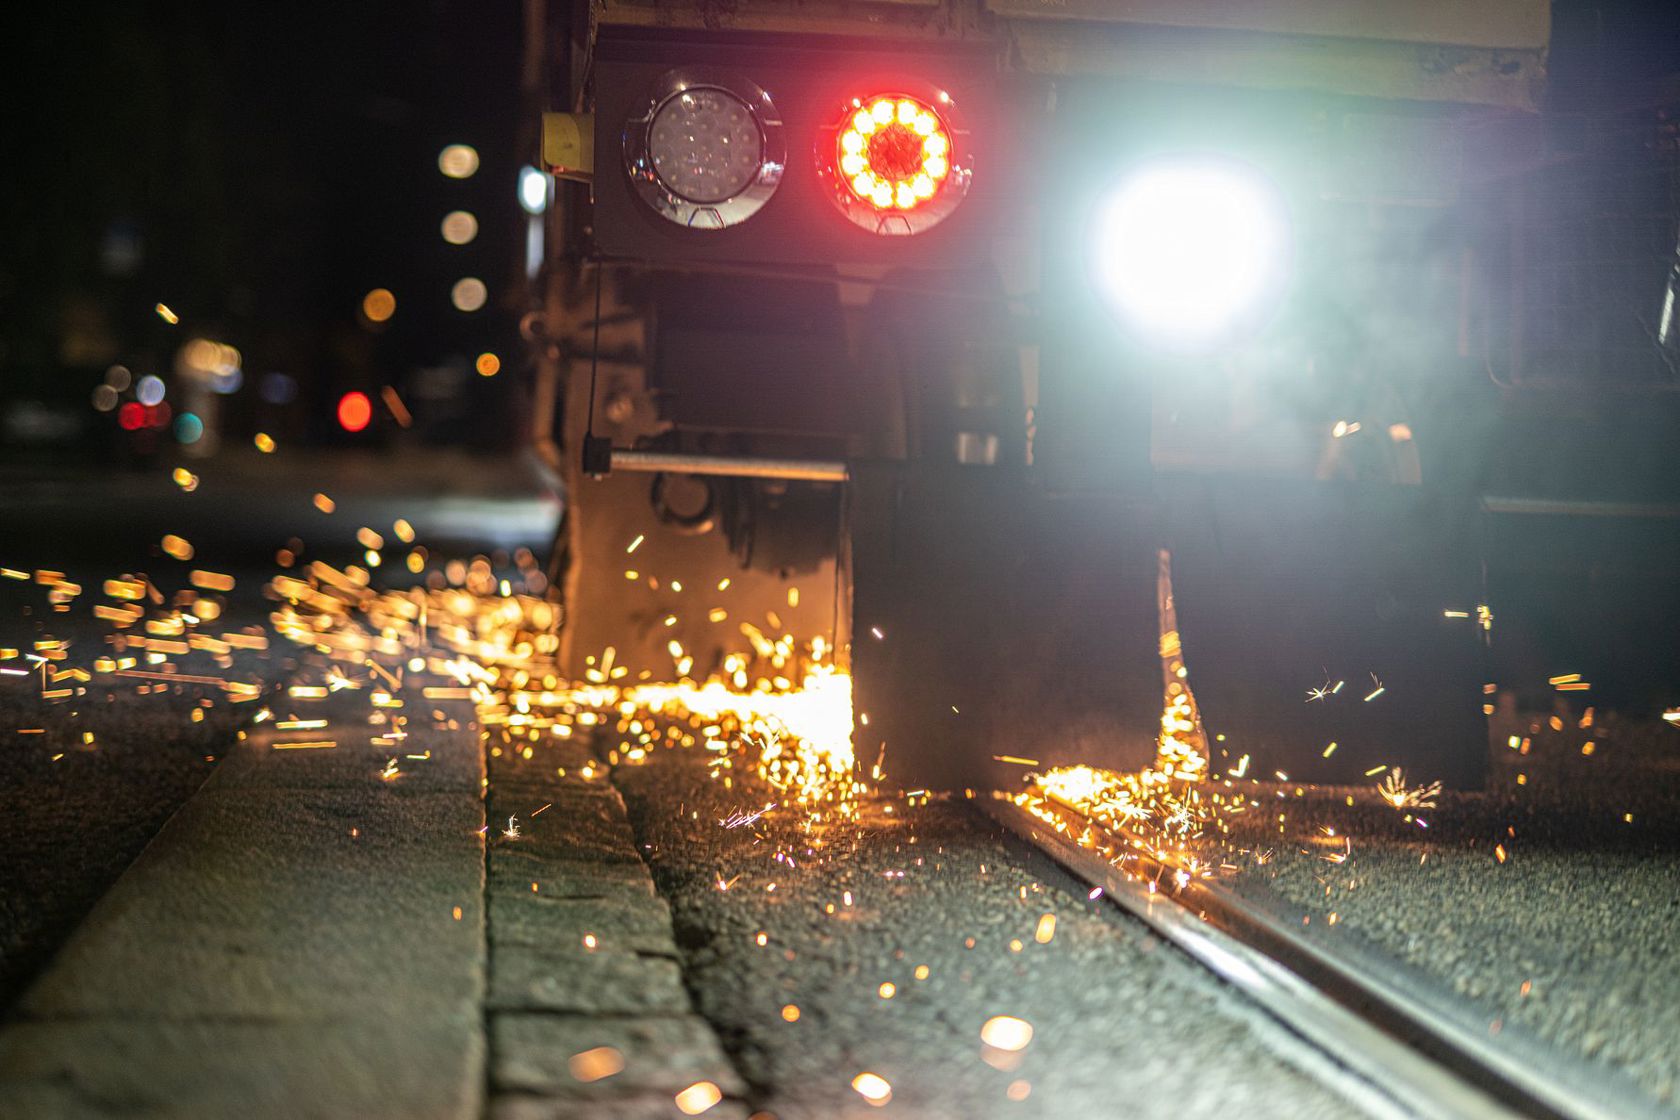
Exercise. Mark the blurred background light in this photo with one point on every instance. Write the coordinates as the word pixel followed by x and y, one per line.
pixel 459 227
pixel 278 388
pixel 104 398
pixel 458 161
pixel 379 305
pixel 118 378
pixel 149 390
pixel 468 294
pixel 188 428
pixel 355 411
pixel 489 365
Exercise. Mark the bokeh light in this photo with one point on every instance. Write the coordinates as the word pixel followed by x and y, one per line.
pixel 104 398
pixel 149 390
pixel 188 428
pixel 459 227
pixel 355 411
pixel 468 294
pixel 458 161
pixel 278 388
pixel 118 378
pixel 489 365
pixel 379 305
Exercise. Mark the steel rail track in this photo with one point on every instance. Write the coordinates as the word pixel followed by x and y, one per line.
pixel 1365 1013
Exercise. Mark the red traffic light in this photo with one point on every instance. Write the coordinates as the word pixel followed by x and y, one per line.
pixel 355 411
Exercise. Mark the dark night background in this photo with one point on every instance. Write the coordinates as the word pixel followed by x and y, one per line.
pixel 258 168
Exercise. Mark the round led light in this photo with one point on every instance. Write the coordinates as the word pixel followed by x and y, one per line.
pixel 705 145
pixel 1189 250
pixel 890 162
pixel 894 145
pixel 707 152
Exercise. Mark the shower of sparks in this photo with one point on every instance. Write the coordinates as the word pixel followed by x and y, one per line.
pixel 1394 790
pixel 873 1088
pixel 596 1064
pixel 1159 810
pixel 1005 1032
pixel 777 710
pixel 740 818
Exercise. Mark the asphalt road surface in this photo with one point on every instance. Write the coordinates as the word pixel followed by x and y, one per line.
pixel 810 967
pixel 935 902
pixel 1545 910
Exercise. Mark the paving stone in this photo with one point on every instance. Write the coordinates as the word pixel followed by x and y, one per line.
pixel 551 996
pixel 514 869
pixel 570 978
pixel 262 902
pixel 556 821
pixel 560 843
pixel 302 939
pixel 633 924
pixel 640 1107
pixel 662 1054
pixel 546 763
pixel 368 1068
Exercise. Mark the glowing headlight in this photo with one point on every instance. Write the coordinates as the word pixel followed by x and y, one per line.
pixel 1189 251
pixel 707 152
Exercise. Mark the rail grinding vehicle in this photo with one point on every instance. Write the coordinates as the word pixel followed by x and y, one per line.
pixel 979 336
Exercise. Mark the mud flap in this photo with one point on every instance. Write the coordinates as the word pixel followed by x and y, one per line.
pixel 998 626
pixel 1315 613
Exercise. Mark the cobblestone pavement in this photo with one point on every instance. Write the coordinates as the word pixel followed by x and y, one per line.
pixel 587 1012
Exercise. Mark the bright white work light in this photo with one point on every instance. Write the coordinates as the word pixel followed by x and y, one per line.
pixel 1190 250
pixel 533 191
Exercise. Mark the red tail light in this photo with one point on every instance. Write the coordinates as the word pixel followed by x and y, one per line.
pixel 894 153
pixel 896 161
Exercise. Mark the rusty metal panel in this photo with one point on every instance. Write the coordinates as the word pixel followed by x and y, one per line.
pixel 1519 24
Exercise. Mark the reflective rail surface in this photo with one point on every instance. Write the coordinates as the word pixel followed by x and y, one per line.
pixel 1368 1014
